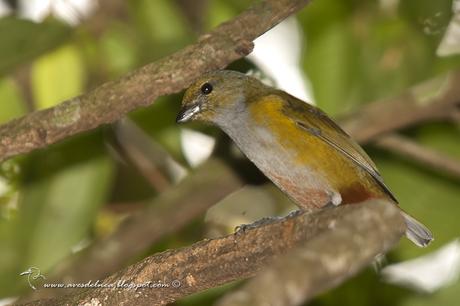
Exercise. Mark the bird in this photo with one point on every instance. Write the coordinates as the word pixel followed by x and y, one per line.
pixel 295 144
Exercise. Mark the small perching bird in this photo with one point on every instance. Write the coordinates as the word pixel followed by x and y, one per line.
pixel 296 145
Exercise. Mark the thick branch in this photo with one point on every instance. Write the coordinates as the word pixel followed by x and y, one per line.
pixel 109 102
pixel 170 211
pixel 339 241
pixel 351 242
pixel 384 116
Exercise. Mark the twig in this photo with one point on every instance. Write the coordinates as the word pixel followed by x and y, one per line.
pixel 168 212
pixel 337 245
pixel 22 76
pixel 109 102
pixel 412 107
pixel 146 155
pixel 428 157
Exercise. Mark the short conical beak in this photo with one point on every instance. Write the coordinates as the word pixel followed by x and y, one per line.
pixel 187 112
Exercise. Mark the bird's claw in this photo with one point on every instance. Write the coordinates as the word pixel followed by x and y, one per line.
pixel 294 213
pixel 266 220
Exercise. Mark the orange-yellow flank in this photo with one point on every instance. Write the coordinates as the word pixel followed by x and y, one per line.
pixel 296 145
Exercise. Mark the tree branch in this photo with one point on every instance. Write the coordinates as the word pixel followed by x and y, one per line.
pixel 428 157
pixel 109 102
pixel 170 211
pixel 413 106
pixel 214 50
pixel 382 117
pixel 354 237
pixel 333 247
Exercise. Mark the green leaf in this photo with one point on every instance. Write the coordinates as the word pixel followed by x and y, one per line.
pixel 117 50
pixel 57 76
pixel 61 191
pixel 11 102
pixel 219 11
pixel 21 40
pixel 161 19
pixel 441 136
pixel 58 210
pixel 330 77
pixel 425 194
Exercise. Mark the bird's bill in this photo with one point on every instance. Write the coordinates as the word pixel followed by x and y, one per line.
pixel 187 112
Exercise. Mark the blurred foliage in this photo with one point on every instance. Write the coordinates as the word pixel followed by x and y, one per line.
pixel 12 103
pixel 372 53
pixel 23 40
pixel 355 52
pixel 57 76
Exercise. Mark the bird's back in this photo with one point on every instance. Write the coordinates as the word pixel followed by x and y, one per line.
pixel 288 146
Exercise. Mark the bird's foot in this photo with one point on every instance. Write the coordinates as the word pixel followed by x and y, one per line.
pixel 295 213
pixel 264 221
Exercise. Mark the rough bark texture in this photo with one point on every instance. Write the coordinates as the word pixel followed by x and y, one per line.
pixel 332 246
pixel 167 213
pixel 443 105
pixel 109 102
pixel 351 241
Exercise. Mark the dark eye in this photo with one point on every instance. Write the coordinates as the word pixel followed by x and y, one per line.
pixel 206 88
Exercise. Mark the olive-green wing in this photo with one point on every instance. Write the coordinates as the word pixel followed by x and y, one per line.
pixel 317 123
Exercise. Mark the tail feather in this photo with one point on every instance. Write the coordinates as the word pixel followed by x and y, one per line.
pixel 417 232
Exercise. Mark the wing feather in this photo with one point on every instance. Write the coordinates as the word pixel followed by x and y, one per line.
pixel 314 121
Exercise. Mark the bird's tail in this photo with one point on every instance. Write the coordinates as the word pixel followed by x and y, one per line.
pixel 416 231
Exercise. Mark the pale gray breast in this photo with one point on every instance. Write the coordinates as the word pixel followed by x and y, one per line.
pixel 276 161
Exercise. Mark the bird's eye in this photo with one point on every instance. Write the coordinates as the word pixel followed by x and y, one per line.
pixel 206 88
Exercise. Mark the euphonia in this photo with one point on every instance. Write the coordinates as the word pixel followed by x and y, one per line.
pixel 295 144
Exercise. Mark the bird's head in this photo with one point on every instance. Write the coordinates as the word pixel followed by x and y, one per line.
pixel 217 96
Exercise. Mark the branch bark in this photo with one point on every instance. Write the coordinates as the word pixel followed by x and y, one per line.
pixel 377 122
pixel 333 247
pixel 225 44
pixel 369 124
pixel 428 157
pixel 334 255
pixel 109 102
pixel 411 107
pixel 167 213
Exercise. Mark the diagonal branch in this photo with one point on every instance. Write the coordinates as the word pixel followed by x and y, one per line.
pixel 426 156
pixel 109 102
pixel 167 213
pixel 333 244
pixel 366 125
pixel 351 241
pixel 415 105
